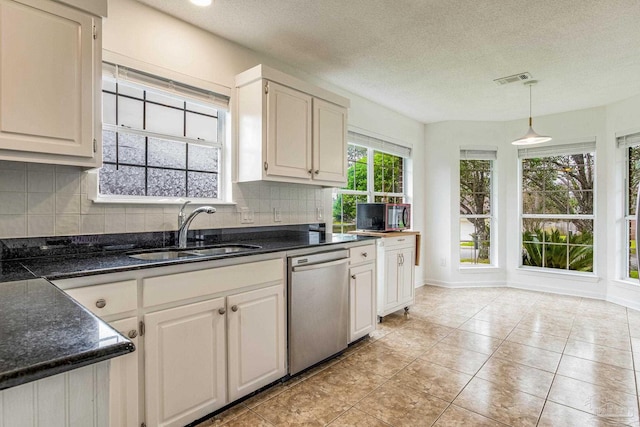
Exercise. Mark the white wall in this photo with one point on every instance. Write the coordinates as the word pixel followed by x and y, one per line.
pixel 443 141
pixel 44 200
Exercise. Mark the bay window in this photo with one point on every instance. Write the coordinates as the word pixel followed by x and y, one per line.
pixel 631 146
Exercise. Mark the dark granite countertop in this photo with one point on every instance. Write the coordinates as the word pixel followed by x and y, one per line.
pixel 44 332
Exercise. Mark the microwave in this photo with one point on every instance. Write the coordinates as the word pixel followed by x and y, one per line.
pixel 383 216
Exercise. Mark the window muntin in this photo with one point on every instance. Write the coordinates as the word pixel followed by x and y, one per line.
pixel 157 144
pixel 372 176
pixel 476 215
pixel 557 211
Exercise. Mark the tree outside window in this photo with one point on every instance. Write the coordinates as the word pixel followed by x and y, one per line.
pixel 632 180
pixel 475 211
pixel 386 184
pixel 557 211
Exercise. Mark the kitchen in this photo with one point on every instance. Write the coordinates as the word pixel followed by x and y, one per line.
pixel 147 37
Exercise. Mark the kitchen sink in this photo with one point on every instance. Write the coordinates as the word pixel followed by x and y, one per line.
pixel 169 254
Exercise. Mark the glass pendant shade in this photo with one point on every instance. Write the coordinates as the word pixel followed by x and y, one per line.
pixel 531 137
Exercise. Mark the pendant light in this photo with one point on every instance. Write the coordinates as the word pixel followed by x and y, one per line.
pixel 531 137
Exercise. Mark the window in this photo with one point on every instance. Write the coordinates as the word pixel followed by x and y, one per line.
pixel 631 146
pixel 476 206
pixel 557 206
pixel 160 139
pixel 376 173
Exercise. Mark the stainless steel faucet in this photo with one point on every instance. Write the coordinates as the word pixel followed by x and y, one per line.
pixel 181 215
pixel 184 222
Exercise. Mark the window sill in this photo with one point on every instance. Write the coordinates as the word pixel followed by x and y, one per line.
pixel 634 283
pixel 120 200
pixel 586 277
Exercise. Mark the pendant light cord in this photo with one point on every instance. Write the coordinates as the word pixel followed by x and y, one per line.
pixel 530 120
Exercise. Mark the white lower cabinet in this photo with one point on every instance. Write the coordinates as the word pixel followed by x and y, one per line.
pixel 395 274
pixel 255 339
pixel 362 291
pixel 123 380
pixel 185 362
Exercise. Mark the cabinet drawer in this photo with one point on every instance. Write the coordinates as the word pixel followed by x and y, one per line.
pixel 409 240
pixel 361 254
pixel 111 298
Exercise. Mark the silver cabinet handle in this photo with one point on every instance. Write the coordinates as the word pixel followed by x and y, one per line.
pixel 221 310
pixel 400 240
pixel 364 254
pixel 132 334
pixel 234 308
pixel 101 303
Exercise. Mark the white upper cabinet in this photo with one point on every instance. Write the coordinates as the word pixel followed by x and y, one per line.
pixel 49 92
pixel 289 130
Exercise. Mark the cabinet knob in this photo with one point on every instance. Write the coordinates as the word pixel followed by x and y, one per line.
pixel 222 310
pixel 234 308
pixel 132 334
pixel 310 171
pixel 101 303
pixel 317 171
pixel 353 276
pixel 364 254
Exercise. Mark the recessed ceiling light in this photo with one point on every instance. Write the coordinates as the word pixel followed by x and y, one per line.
pixel 201 2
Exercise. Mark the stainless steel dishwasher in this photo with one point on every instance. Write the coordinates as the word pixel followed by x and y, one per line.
pixel 318 307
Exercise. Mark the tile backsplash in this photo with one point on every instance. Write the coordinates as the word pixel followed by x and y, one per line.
pixel 50 200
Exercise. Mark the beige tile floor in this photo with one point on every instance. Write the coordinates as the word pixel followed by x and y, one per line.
pixel 471 357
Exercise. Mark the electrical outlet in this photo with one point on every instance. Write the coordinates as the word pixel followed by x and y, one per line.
pixel 246 216
pixel 319 213
pixel 277 217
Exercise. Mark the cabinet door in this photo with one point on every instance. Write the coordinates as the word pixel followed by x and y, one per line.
pixel 362 301
pixel 47 88
pixel 256 339
pixel 185 364
pixel 390 293
pixel 288 132
pixel 329 142
pixel 405 276
pixel 123 377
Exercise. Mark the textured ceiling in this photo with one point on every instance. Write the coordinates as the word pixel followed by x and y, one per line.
pixel 435 60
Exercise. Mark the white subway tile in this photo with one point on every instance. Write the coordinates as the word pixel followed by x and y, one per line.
pixel 154 222
pixel 87 207
pixel 13 180
pixel 68 182
pixel 8 165
pixel 67 225
pixel 13 203
pixel 40 182
pixel 67 203
pixel 92 224
pixel 40 225
pixel 134 223
pixel 41 203
pixel 13 226
pixel 115 222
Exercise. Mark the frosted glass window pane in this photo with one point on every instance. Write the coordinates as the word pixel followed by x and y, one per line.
pixel 203 184
pixel 126 180
pixel 108 108
pixel 202 127
pixel 197 108
pixel 130 112
pixel 163 99
pixel 108 146
pixel 167 183
pixel 131 149
pixel 124 89
pixel 169 154
pixel 165 120
pixel 203 158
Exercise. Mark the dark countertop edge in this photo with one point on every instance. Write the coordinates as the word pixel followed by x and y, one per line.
pixel 180 261
pixel 52 367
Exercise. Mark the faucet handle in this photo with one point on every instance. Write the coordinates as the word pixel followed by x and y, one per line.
pixel 184 205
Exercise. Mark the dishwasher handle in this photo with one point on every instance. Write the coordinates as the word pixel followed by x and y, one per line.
pixel 319 265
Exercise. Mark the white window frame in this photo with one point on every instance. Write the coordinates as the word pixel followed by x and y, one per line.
pixel 186 91
pixel 373 144
pixel 491 154
pixel 567 148
pixel 624 142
